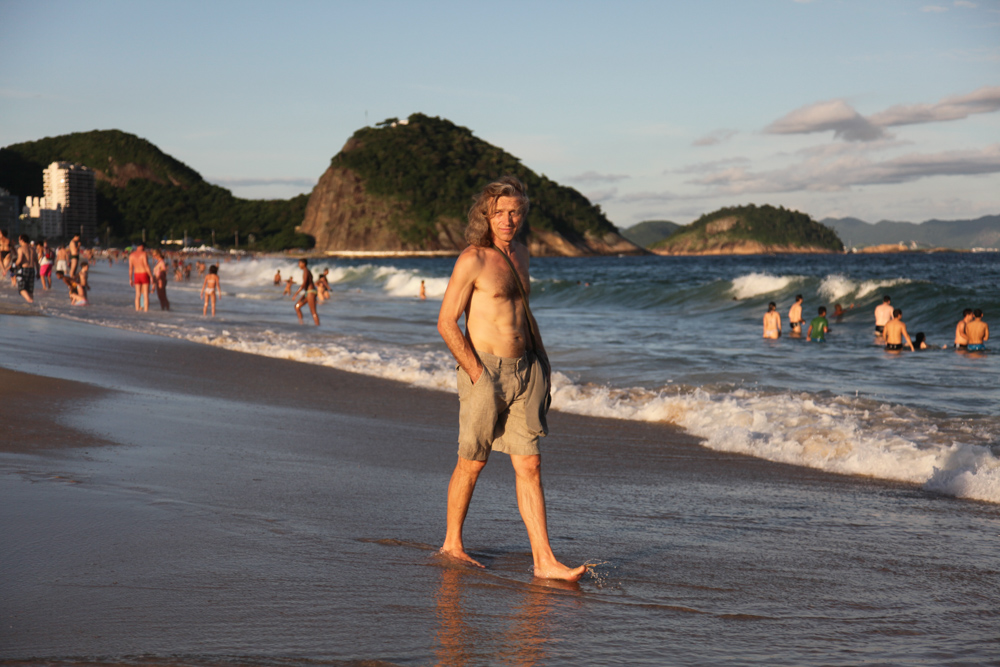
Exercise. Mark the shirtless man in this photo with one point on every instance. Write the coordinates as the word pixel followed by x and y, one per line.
pixel 978 332
pixel 139 275
pixel 961 339
pixel 501 380
pixel 74 255
pixel 309 292
pixel 25 264
pixel 895 332
pixel 795 320
pixel 277 277
pixel 772 322
pixel 883 315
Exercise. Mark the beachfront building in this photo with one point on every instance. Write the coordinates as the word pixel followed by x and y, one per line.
pixel 43 218
pixel 72 188
pixel 8 212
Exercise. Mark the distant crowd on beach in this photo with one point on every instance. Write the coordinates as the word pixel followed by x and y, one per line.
pixel 971 332
pixel 28 262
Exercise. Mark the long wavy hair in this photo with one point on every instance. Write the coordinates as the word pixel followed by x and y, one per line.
pixel 478 232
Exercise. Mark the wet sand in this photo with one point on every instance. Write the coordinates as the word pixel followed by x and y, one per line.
pixel 236 509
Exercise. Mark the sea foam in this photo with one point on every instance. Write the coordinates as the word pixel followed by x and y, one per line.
pixel 756 284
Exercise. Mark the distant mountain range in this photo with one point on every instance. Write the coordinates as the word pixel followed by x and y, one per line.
pixel 982 232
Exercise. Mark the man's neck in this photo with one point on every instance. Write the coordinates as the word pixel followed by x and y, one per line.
pixel 506 247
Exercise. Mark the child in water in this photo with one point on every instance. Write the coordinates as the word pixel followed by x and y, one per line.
pixel 209 288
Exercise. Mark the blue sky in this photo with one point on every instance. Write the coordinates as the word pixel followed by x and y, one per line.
pixel 878 109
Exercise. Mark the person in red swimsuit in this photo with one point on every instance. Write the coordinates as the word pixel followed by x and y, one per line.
pixel 139 276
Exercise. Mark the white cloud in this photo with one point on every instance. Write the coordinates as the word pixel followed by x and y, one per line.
pixel 965 3
pixel 836 115
pixel 848 124
pixel 594 177
pixel 836 172
pixel 715 137
pixel 957 107
pixel 937 9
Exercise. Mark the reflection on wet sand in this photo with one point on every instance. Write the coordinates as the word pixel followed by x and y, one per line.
pixel 473 627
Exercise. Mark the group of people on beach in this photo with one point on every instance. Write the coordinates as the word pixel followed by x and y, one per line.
pixel 971 332
pixel 29 261
pixel 313 291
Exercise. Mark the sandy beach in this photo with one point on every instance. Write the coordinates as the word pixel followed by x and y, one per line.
pixel 169 502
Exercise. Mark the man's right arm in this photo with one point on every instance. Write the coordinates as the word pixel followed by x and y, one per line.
pixel 455 302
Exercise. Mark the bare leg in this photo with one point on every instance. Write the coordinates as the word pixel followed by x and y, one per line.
pixel 145 297
pixel 138 293
pixel 463 483
pixel 298 308
pixel 531 502
pixel 312 308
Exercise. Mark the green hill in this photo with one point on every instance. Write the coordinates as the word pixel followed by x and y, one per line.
pixel 417 179
pixel 648 232
pixel 141 187
pixel 750 230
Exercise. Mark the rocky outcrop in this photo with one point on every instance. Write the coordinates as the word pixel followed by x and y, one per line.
pixel 342 216
pixel 741 248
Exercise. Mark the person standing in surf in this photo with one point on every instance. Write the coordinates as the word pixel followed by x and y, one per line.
pixel 502 384
pixel 139 275
pixel 977 331
pixel 795 320
pixel 309 293
pixel 895 331
pixel 883 314
pixel 772 322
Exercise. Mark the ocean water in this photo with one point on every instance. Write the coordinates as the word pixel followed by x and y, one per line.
pixel 661 339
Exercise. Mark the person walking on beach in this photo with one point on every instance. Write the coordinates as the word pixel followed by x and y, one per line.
pixel 795 320
pixel 160 279
pixel 502 383
pixel 883 315
pixel 211 289
pixel 961 339
pixel 138 275
pixel 977 331
pixel 818 327
pixel 772 322
pixel 895 332
pixel 25 264
pixel 309 293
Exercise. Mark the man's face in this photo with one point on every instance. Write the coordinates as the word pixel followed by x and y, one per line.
pixel 506 219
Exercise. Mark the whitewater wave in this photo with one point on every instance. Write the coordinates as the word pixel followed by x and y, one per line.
pixel 846 435
pixel 756 284
pixel 836 286
pixel 390 280
pixel 839 435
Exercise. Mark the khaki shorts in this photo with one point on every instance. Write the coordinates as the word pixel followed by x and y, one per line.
pixel 491 414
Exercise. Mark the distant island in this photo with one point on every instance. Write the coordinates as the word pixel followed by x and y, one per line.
pixel 406 185
pixel 750 230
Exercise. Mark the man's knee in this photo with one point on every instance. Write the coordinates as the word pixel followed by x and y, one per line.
pixel 469 466
pixel 528 466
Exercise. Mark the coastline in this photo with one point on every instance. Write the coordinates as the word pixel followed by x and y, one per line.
pixel 248 510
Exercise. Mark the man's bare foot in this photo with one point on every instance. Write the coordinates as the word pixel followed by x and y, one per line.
pixel 557 570
pixel 461 556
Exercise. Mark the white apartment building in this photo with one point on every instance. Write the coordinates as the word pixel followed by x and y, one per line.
pixel 71 188
pixel 49 219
